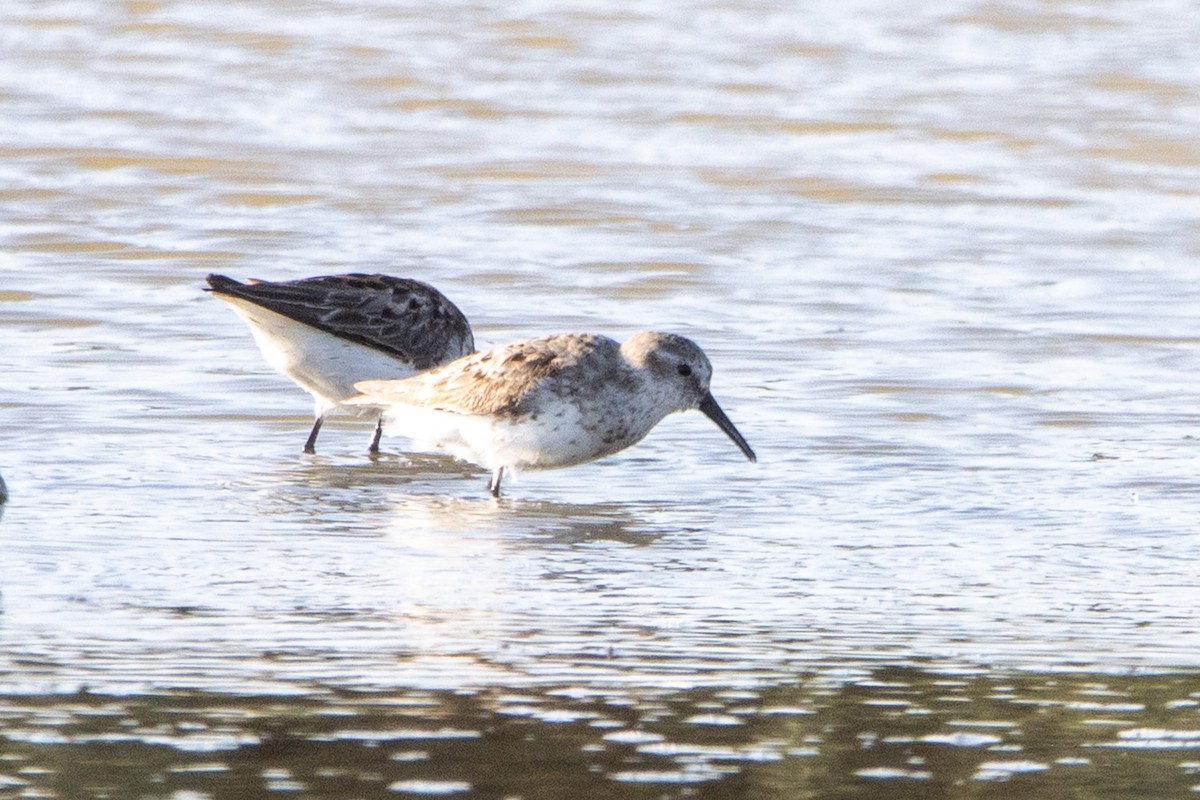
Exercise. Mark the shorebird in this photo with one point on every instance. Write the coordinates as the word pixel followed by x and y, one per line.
pixel 550 402
pixel 329 332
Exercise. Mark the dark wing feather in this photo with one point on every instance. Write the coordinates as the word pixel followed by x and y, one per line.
pixel 404 317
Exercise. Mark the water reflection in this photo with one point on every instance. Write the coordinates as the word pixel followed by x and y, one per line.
pixel 888 732
pixel 942 258
pixel 397 494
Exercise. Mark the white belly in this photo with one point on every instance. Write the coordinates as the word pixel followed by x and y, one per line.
pixel 324 365
pixel 550 441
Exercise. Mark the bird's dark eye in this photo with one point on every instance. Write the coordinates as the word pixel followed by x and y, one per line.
pixel 684 370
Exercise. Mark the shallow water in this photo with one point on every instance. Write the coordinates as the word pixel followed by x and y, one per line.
pixel 942 260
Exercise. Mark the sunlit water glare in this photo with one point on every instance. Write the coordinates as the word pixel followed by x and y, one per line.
pixel 943 261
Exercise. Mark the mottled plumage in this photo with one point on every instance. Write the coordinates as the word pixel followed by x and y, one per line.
pixel 328 333
pixel 550 402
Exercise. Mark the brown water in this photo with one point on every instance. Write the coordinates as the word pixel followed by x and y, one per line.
pixel 943 260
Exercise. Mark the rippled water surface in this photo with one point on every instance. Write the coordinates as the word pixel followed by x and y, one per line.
pixel 943 258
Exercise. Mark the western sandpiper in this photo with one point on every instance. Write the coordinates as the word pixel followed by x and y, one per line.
pixel 329 332
pixel 550 402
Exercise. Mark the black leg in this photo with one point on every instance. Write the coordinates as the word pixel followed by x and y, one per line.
pixel 374 448
pixel 494 483
pixel 310 446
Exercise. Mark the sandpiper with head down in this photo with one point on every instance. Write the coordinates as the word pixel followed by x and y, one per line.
pixel 329 332
pixel 550 402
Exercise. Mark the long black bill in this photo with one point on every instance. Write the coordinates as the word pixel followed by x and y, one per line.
pixel 713 411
